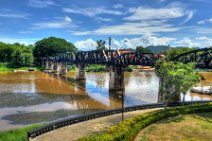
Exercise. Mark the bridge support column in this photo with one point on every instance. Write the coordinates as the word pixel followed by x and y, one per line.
pixel 62 68
pixel 49 65
pixel 81 72
pixel 116 79
pixel 55 67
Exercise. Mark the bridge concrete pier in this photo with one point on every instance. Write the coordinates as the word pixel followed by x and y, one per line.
pixel 55 68
pixel 62 68
pixel 49 65
pixel 59 68
pixel 81 71
pixel 116 79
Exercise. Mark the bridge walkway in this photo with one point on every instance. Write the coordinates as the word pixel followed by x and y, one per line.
pixel 82 129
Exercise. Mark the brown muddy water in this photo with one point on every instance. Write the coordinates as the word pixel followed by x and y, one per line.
pixel 34 97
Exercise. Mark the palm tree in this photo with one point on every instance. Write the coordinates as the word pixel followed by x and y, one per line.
pixel 100 45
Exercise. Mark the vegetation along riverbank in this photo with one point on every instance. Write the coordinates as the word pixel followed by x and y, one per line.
pixel 128 129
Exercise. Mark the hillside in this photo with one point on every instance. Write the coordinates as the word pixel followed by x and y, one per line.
pixel 160 48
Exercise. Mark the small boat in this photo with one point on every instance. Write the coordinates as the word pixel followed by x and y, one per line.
pixel 202 90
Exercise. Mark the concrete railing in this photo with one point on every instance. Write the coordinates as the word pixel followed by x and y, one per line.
pixel 61 123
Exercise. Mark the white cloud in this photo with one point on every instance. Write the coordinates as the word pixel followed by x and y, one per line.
pixel 144 40
pixel 103 19
pixel 88 44
pixel 145 20
pixel 25 32
pixel 131 28
pixel 148 13
pixel 13 14
pixel 195 42
pixel 92 12
pixel 199 30
pixel 190 15
pixel 147 40
pixel 186 42
pixel 41 3
pixel 205 21
pixel 17 40
pixel 117 6
pixel 68 19
pixel 66 22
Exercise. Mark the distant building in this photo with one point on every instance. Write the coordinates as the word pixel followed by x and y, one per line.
pixel 122 51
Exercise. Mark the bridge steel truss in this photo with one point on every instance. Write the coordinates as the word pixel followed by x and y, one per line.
pixel 110 58
pixel 202 58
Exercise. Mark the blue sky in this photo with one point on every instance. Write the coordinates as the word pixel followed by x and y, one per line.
pixel 129 23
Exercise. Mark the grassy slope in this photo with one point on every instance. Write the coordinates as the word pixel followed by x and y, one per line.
pixel 17 134
pixel 183 127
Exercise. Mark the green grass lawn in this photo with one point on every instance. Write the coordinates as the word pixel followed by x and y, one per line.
pixel 17 134
pixel 192 127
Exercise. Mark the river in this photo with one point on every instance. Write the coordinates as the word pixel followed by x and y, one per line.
pixel 34 97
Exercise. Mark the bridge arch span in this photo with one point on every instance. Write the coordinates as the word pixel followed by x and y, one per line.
pixel 202 58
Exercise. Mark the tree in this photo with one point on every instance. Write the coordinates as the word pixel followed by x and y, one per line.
pixel 140 49
pixel 6 52
pixel 16 55
pixel 17 58
pixel 176 78
pixel 28 59
pixel 177 51
pixel 101 45
pixel 52 45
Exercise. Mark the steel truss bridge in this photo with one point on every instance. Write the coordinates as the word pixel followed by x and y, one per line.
pixel 202 58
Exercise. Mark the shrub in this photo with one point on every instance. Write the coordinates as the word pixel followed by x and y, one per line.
pixel 129 128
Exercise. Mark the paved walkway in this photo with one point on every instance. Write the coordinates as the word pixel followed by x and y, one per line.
pixel 82 129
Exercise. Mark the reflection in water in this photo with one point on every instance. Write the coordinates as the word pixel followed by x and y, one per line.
pixel 32 97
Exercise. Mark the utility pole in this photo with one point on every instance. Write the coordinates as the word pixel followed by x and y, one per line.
pixel 110 42
pixel 125 44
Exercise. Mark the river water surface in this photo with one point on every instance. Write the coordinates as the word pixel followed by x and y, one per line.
pixel 34 97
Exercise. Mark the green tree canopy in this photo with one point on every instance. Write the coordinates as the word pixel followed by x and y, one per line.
pixel 16 55
pixel 140 49
pixel 177 78
pixel 52 45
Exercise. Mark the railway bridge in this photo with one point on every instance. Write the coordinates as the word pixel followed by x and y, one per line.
pixel 117 61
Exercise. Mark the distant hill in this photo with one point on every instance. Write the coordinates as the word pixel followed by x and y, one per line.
pixel 160 48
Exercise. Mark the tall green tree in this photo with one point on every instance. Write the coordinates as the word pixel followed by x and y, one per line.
pixel 16 55
pixel 52 45
pixel 176 78
pixel 140 49
pixel 101 45
pixel 17 58
pixel 6 52
pixel 28 59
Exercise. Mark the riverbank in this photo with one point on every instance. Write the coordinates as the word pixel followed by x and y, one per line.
pixel 95 68
pixel 7 68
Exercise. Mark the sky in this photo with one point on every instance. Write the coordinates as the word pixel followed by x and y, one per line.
pixel 129 23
